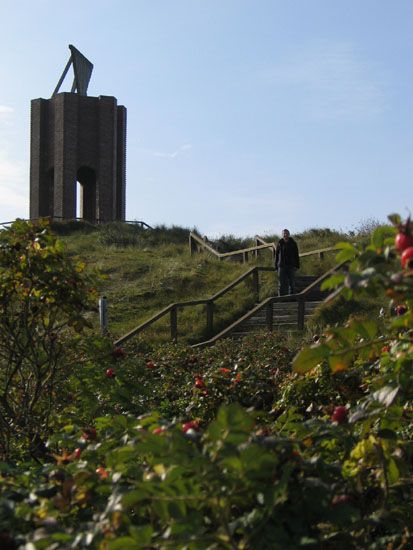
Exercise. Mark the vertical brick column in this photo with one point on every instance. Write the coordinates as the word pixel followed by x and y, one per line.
pixel 121 165
pixel 39 193
pixel 65 155
pixel 106 180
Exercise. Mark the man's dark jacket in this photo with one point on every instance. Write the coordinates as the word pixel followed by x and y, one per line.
pixel 286 254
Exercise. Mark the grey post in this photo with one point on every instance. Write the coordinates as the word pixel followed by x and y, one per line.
pixel 103 314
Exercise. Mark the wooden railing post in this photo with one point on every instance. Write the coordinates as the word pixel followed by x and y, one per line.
pixel 192 245
pixel 256 285
pixel 174 324
pixel 210 317
pixel 300 313
pixel 269 316
pixel 257 252
pixel 321 255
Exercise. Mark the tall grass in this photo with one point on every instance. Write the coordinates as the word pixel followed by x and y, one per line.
pixel 144 270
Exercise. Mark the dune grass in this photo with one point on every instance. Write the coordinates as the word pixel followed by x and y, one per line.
pixel 145 270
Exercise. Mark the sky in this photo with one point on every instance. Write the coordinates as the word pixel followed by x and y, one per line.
pixel 244 116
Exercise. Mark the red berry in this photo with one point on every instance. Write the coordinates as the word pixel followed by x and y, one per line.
pixel 199 383
pixel 407 258
pixel 158 431
pixel 339 414
pixel 400 309
pixel 385 349
pixel 224 370
pixel 110 373
pixel 150 365
pixel 118 353
pixel 191 425
pixel 403 241
pixel 77 453
pixel 89 433
pixel 102 473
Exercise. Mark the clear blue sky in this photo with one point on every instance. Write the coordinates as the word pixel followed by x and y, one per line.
pixel 244 116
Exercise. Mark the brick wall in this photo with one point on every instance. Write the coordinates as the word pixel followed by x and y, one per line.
pixel 75 138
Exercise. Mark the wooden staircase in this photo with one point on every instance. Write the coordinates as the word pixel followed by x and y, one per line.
pixel 284 314
pixel 284 318
pixel 289 312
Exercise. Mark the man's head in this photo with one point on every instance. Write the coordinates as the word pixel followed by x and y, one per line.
pixel 286 235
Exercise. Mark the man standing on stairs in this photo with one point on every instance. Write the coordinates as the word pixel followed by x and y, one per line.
pixel 286 262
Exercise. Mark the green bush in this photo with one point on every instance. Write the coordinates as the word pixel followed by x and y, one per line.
pixel 228 447
pixel 43 299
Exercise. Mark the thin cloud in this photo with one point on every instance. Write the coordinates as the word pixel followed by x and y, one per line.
pixel 175 154
pixel 333 83
pixel 5 110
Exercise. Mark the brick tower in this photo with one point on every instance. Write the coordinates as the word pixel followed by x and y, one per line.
pixel 78 145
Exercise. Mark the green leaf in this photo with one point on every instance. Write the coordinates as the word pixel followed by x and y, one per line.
pixel 392 471
pixel 232 423
pixel 380 234
pixel 121 455
pixel 133 497
pixel 233 463
pixel 309 358
pixel 141 534
pixel 366 329
pixel 333 282
pixel 340 363
pixel 347 252
pixel 124 543
pixel 395 219
pixel 61 537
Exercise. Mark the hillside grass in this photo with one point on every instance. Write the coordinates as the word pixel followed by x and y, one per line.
pixel 145 270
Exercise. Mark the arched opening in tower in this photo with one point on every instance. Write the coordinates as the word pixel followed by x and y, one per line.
pixel 86 194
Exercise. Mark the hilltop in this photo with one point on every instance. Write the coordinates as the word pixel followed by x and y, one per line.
pixel 144 270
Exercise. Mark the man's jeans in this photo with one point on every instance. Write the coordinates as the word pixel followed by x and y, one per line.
pixel 286 280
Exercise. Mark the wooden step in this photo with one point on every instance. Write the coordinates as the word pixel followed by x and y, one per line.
pixel 284 318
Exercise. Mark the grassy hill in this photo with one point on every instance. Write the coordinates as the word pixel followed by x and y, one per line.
pixel 144 270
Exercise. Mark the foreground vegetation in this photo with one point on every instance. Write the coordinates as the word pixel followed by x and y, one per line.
pixel 253 444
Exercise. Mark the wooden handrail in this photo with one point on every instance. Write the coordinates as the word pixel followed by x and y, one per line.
pixel 318 251
pixel 172 309
pixel 299 298
pixel 203 301
pixel 245 251
pixel 223 255
pixel 302 254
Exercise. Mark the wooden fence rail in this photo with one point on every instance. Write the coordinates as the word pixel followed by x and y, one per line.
pixel 267 304
pixel 253 273
pixel 172 309
pixel 197 243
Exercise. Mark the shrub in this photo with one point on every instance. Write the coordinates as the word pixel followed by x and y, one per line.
pixel 43 298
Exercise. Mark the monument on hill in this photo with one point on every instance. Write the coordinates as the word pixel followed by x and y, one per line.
pixel 78 152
